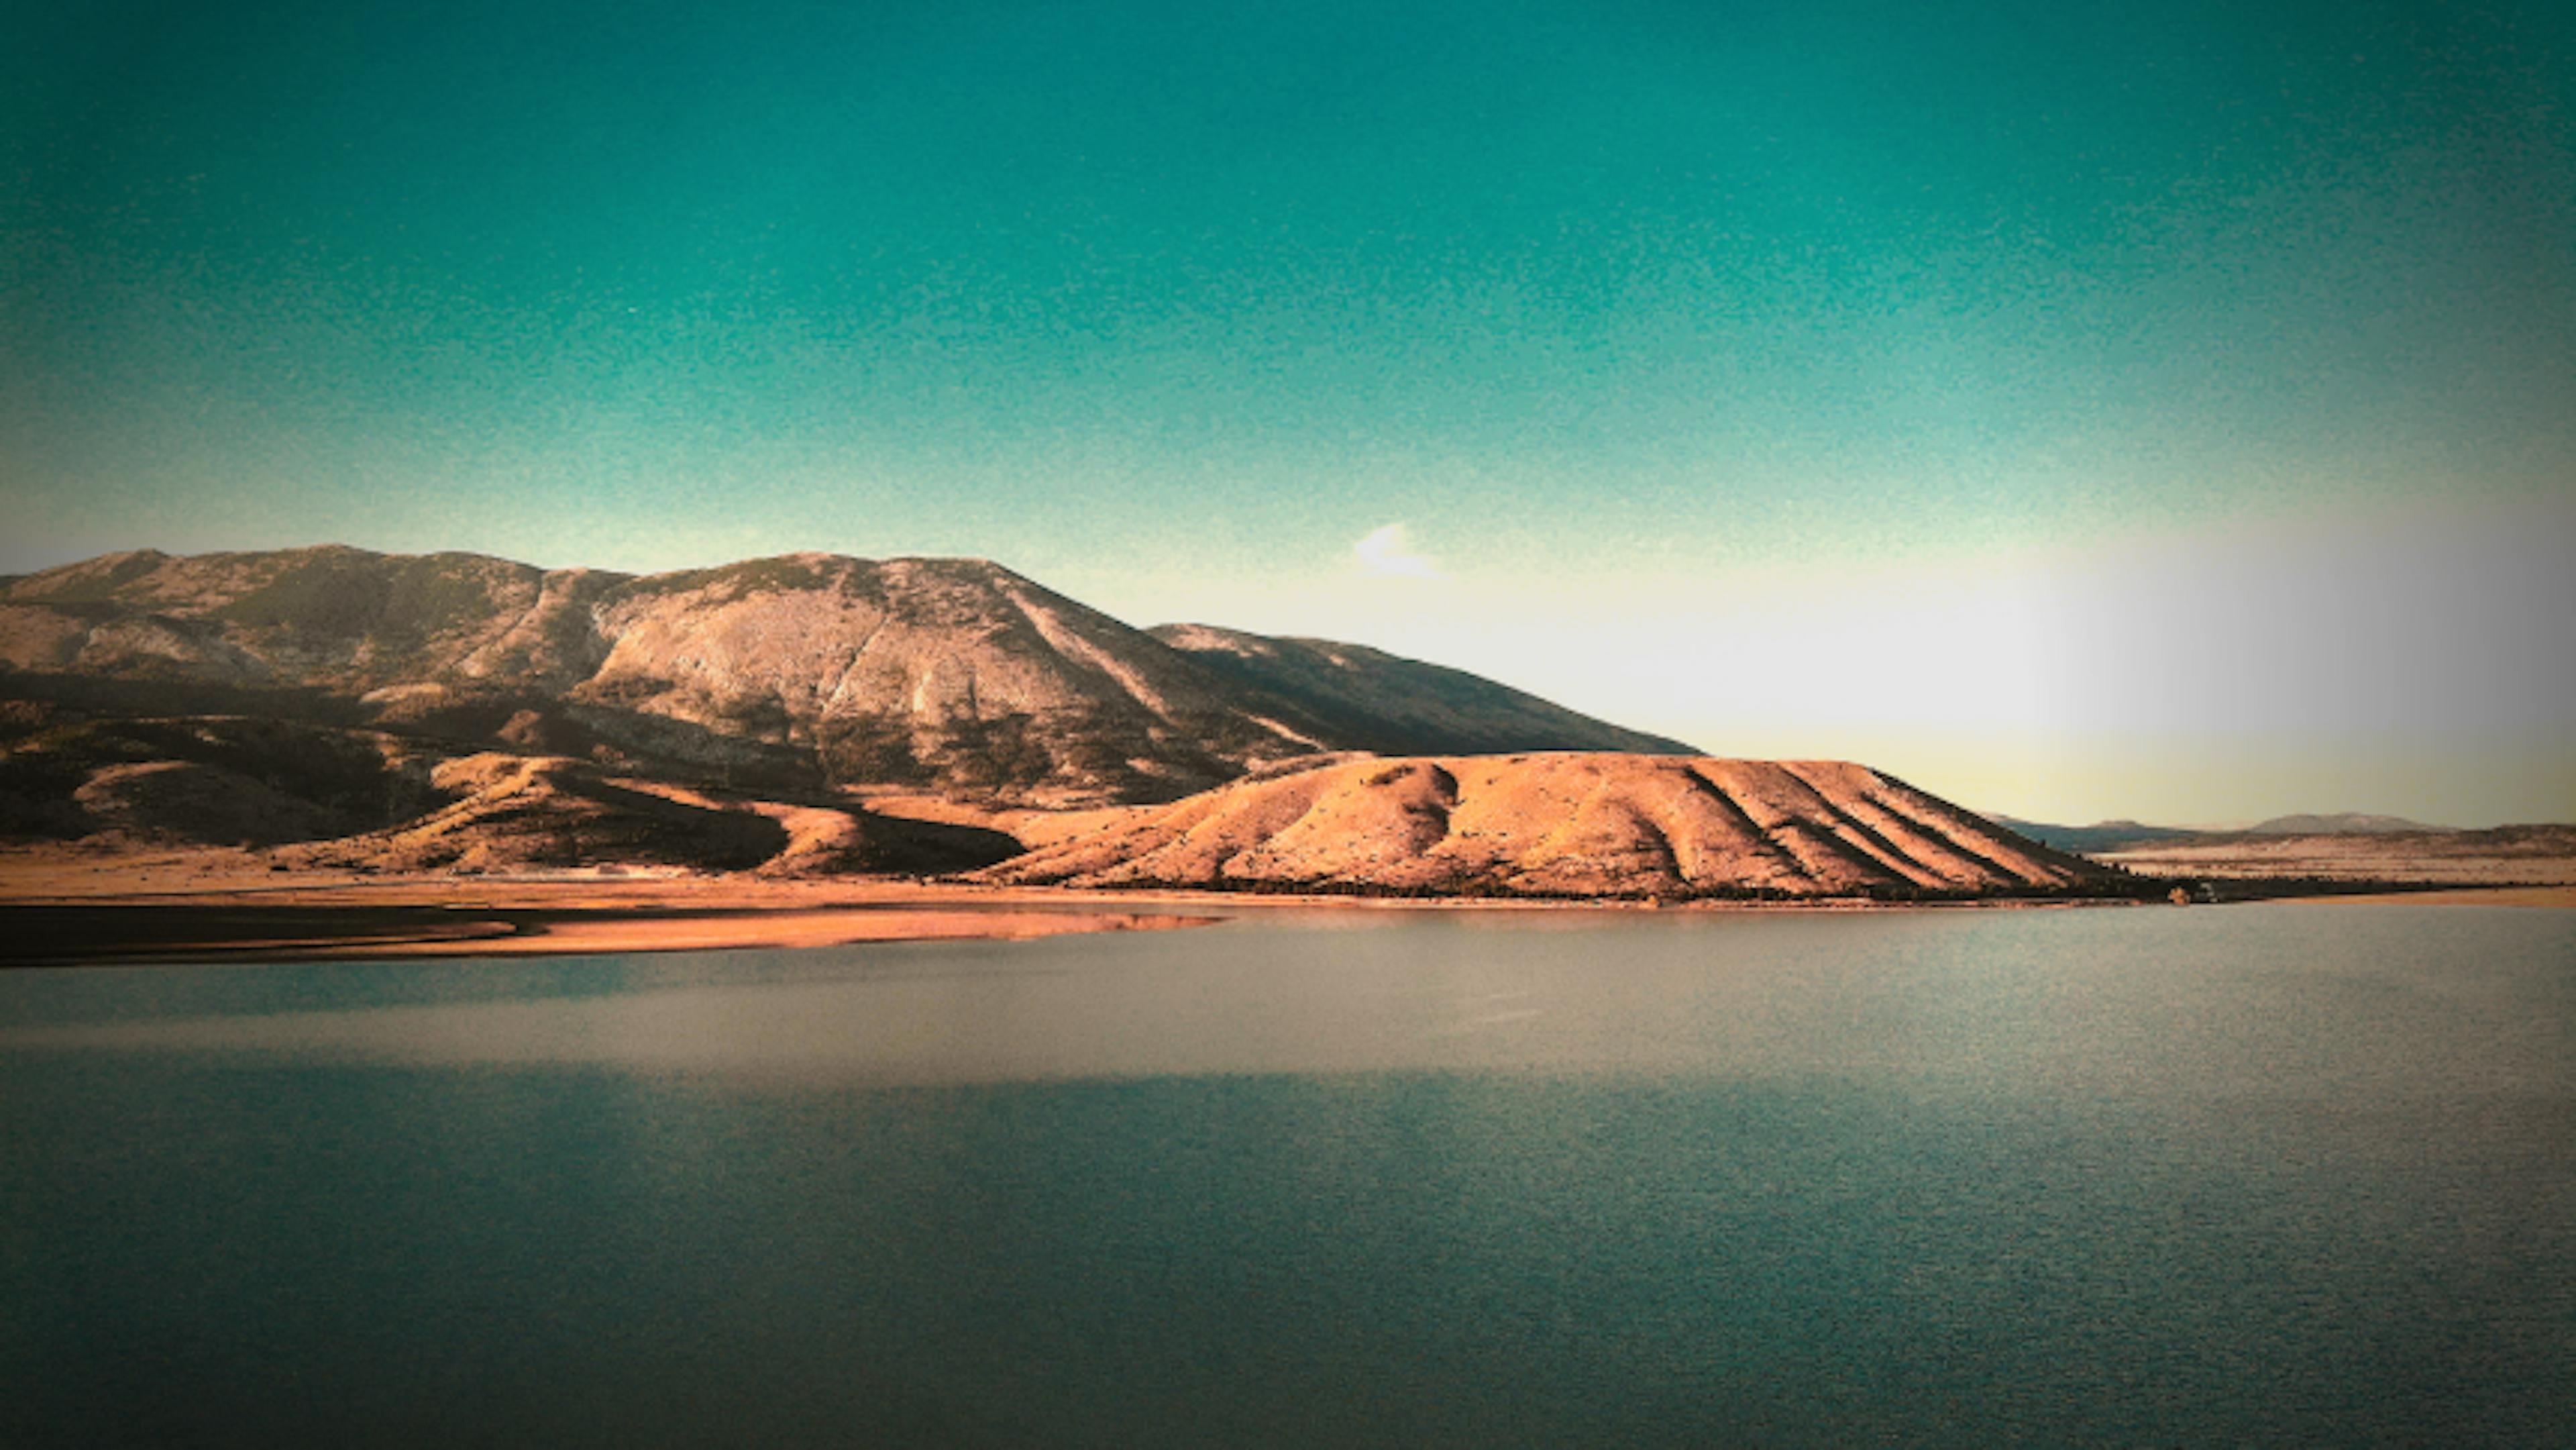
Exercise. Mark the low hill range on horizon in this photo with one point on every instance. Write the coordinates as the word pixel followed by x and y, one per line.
pixel 2340 823
pixel 2120 835
pixel 2534 854
pixel 2347 846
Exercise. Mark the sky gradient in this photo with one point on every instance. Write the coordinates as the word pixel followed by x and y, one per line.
pixel 2168 412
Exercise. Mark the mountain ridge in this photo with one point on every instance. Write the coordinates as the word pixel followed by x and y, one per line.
pixel 807 669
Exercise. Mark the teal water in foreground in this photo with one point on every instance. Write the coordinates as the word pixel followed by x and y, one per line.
pixel 2292 1174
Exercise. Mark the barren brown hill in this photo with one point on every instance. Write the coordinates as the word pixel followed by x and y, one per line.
pixel 1563 825
pixel 2094 839
pixel 797 672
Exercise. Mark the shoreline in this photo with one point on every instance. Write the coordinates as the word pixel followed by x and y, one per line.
pixel 181 909
pixel 212 908
pixel 104 934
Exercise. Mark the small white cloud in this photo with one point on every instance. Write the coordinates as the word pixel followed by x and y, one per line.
pixel 1390 551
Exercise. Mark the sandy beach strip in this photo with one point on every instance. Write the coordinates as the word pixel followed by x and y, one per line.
pixel 59 935
pixel 209 911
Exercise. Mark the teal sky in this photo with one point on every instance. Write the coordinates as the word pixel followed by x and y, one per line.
pixel 1637 316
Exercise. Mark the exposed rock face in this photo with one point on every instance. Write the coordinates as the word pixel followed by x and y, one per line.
pixel 790 673
pixel 954 673
pixel 1371 700
pixel 1562 825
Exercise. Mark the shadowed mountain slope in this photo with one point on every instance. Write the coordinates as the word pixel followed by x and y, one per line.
pixel 1371 700
pixel 506 812
pixel 370 800
pixel 214 780
pixel 1563 825
pixel 795 672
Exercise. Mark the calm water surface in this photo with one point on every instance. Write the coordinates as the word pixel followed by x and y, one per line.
pixel 2260 1174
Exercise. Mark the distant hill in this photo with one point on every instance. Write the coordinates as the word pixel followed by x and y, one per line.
pixel 2344 823
pixel 798 672
pixel 2100 836
pixel 2105 836
pixel 1562 825
pixel 2532 854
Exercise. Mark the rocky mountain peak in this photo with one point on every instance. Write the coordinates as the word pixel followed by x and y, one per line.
pixel 954 674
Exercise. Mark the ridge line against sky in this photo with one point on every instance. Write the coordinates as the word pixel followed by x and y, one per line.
pixel 2168 411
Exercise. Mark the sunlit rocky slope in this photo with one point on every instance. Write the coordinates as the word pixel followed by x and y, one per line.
pixel 1563 825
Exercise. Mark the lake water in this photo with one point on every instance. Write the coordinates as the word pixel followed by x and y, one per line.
pixel 2287 1174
